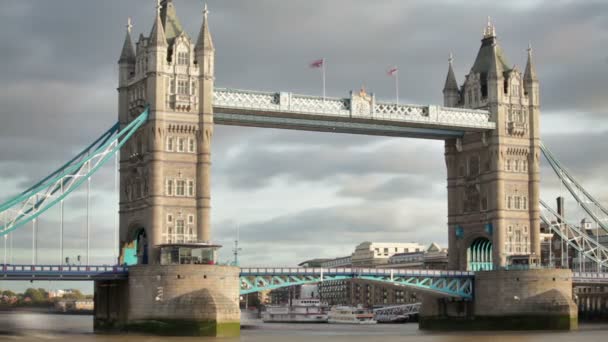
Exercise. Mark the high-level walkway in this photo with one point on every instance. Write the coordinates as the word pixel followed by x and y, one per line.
pixel 358 114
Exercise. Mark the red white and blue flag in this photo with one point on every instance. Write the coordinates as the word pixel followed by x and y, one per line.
pixel 317 63
pixel 392 71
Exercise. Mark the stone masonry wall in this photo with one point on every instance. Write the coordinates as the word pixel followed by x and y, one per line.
pixel 503 293
pixel 184 292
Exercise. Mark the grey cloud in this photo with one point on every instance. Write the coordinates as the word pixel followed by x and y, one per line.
pixel 395 188
pixel 332 231
pixel 255 166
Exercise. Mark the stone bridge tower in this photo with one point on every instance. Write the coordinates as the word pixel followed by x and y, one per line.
pixel 493 178
pixel 165 167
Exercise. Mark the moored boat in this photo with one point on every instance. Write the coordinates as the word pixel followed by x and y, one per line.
pixel 309 310
pixel 350 315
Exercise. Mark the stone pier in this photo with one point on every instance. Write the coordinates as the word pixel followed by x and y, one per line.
pixel 507 300
pixel 192 300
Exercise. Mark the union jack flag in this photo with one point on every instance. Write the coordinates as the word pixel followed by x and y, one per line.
pixel 317 63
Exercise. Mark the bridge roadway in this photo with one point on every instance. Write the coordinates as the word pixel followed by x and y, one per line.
pixel 449 283
pixel 359 114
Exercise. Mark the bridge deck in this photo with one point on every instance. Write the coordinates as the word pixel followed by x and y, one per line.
pixel 357 115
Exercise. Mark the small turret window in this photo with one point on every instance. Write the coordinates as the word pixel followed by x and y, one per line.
pixel 182 58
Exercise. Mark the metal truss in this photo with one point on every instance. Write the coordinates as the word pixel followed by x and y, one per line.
pixel 449 283
pixel 62 272
pixel 589 278
pixel 596 211
pixel 31 203
pixel 386 313
pixel 357 108
pixel 588 246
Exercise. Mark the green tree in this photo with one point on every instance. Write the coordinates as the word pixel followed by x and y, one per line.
pixel 8 293
pixel 34 295
pixel 74 294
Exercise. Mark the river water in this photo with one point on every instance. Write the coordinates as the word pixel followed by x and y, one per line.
pixel 37 327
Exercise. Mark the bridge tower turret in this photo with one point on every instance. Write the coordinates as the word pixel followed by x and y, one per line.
pixel 205 59
pixel 451 93
pixel 493 178
pixel 126 69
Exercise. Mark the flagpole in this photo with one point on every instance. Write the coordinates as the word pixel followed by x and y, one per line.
pixel 323 64
pixel 397 86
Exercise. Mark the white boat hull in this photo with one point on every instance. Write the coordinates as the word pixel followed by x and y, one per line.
pixel 294 318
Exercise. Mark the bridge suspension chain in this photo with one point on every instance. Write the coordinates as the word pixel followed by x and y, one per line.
pixel 31 203
pixel 590 205
pixel 574 237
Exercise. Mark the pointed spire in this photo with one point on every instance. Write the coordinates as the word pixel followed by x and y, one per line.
pixel 204 41
pixel 496 65
pixel 530 73
pixel 157 36
pixel 127 54
pixel 450 80
pixel 171 23
pixel 490 30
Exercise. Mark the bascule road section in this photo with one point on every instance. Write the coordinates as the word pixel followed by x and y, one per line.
pixel 358 114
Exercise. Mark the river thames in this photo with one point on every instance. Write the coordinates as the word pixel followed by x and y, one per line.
pixel 37 327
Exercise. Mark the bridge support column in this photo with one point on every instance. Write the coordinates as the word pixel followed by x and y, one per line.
pixel 191 300
pixel 507 300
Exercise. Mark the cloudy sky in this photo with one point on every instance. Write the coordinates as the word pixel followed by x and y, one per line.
pixel 294 195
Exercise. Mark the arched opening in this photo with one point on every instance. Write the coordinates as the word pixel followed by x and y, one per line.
pixel 135 252
pixel 479 255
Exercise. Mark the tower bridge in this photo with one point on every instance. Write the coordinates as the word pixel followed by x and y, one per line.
pixel 168 106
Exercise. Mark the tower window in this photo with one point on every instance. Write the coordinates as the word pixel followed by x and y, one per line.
pixel 182 58
pixel 517 202
pixel 180 188
pixel 169 187
pixel 190 188
pixel 170 144
pixel 179 226
pixel 509 202
pixel 169 218
pixel 180 145
pixel 508 166
pixel 182 87
pixel 191 145
pixel 190 218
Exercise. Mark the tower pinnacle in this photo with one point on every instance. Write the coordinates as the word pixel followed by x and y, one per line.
pixel 204 41
pixel 490 30
pixel 451 93
pixel 530 73
pixel 157 36
pixel 127 54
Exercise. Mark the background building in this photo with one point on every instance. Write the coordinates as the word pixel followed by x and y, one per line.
pixel 372 254
pixel 367 292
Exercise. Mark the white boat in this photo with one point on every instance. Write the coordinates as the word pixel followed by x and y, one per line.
pixel 309 310
pixel 350 315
